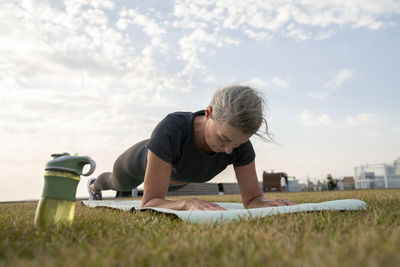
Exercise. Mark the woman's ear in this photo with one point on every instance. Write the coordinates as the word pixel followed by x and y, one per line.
pixel 208 112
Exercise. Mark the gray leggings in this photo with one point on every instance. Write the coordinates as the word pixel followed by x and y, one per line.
pixel 123 178
pixel 111 181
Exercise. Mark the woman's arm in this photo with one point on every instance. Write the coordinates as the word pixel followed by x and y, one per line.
pixel 156 182
pixel 252 196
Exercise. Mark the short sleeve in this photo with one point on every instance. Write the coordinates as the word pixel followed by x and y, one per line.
pixel 165 140
pixel 245 154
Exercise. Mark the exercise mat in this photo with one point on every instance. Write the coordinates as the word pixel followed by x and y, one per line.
pixel 234 211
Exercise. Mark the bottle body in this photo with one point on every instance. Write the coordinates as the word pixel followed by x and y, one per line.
pixel 57 205
pixel 54 211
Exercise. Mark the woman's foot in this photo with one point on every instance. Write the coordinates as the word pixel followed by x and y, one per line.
pixel 93 194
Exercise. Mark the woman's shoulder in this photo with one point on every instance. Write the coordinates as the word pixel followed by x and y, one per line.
pixel 180 114
pixel 171 135
pixel 179 124
pixel 181 118
pixel 186 115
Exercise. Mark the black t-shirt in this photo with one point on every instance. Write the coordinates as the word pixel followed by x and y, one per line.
pixel 173 141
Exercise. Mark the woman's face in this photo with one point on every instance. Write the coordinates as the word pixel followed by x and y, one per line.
pixel 222 137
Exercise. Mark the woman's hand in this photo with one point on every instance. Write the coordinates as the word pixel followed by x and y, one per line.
pixel 198 204
pixel 262 202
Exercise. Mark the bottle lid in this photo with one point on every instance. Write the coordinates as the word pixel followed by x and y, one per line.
pixel 66 162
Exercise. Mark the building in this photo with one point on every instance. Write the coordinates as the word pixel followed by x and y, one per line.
pixel 294 185
pixel 345 183
pixel 272 181
pixel 348 183
pixel 382 175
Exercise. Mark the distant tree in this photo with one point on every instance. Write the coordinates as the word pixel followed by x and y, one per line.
pixel 319 185
pixel 310 185
pixel 324 186
pixel 331 182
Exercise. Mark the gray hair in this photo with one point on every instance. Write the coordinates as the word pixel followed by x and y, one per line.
pixel 241 107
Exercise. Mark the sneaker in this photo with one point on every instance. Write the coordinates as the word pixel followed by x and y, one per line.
pixel 93 195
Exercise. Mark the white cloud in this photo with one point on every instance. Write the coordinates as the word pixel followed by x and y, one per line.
pixel 396 128
pixel 308 119
pixel 340 78
pixel 273 83
pixel 324 35
pixel 368 121
pixel 122 24
pixel 370 118
pixel 374 133
pixel 67 75
pixel 297 33
pixel 194 43
pixel 262 19
pixel 258 36
pixel 280 82
pixel 256 82
pixel 190 47
pixel 106 4
pixel 149 27
pixel 95 16
pixel 333 84
pixel 209 78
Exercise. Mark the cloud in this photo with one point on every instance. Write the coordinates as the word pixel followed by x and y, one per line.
pixel 368 121
pixel 362 118
pixel 256 82
pixel 273 83
pixel 324 35
pixel 307 119
pixel 374 133
pixel 95 16
pixel 257 35
pixel 297 33
pixel 194 43
pixel 69 76
pixel 339 79
pixel 333 84
pixel 262 20
pixel 149 26
pixel 280 82
pixel 209 78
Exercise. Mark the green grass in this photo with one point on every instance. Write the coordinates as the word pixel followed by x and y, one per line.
pixel 104 237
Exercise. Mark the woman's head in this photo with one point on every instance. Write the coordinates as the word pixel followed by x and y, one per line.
pixel 241 107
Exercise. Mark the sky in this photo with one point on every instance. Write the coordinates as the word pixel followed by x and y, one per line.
pixel 95 77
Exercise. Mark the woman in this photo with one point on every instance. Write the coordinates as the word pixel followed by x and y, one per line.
pixel 194 147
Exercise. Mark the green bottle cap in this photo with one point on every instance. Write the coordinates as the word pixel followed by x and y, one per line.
pixel 74 164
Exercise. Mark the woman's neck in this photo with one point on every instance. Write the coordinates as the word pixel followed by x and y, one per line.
pixel 199 124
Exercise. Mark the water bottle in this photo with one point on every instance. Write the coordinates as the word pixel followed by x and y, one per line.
pixel 57 204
